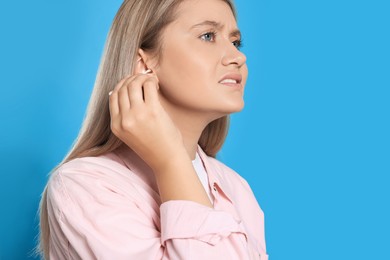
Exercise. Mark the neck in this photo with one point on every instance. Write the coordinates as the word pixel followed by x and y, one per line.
pixel 191 125
pixel 191 129
pixel 190 139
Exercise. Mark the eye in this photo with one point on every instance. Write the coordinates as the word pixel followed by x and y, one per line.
pixel 238 44
pixel 208 37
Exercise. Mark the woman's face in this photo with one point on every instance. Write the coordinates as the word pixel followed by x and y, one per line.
pixel 201 69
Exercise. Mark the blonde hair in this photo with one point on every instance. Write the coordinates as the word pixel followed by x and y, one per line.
pixel 137 24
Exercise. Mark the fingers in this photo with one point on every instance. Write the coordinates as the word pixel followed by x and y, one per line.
pixel 151 91
pixel 135 89
pixel 113 105
pixel 135 94
pixel 123 99
pixel 132 92
pixel 113 96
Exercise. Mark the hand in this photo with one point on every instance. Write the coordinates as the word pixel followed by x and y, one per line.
pixel 140 121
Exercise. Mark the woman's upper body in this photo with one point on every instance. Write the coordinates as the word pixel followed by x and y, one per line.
pixel 171 74
pixel 108 207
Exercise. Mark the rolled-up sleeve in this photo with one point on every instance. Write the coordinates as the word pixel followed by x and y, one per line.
pixel 191 220
pixel 90 220
pixel 193 231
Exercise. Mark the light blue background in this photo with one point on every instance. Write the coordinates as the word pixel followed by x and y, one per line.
pixel 313 140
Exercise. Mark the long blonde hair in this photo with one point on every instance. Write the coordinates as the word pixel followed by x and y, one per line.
pixel 137 24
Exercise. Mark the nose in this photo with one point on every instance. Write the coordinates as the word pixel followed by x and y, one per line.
pixel 233 56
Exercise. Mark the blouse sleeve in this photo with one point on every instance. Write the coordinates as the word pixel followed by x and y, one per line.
pixel 88 219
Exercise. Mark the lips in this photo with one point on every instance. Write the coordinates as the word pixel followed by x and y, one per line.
pixel 231 79
pixel 228 81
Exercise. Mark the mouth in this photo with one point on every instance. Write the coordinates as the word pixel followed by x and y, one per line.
pixel 232 80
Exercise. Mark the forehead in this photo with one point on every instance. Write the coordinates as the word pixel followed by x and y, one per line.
pixel 192 12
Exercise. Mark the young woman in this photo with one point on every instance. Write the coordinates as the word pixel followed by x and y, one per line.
pixel 141 181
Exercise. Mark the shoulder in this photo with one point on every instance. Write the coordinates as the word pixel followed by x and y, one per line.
pixel 83 180
pixel 85 169
pixel 99 165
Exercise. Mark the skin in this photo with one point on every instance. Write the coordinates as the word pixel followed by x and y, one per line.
pixel 169 108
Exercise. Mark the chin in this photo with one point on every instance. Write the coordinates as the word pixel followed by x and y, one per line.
pixel 237 106
pixel 233 107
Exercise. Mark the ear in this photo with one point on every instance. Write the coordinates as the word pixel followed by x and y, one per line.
pixel 140 63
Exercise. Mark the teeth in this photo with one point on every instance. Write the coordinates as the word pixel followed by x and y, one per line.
pixel 229 81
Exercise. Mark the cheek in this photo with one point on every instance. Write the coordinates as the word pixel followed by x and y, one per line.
pixel 185 69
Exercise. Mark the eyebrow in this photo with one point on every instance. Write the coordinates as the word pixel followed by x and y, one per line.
pixel 218 26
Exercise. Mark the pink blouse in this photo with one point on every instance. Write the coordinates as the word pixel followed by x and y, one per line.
pixel 108 207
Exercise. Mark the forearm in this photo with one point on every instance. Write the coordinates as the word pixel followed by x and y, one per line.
pixel 179 181
pixel 145 126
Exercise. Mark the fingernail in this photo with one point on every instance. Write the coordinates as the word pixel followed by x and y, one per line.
pixel 147 71
pixel 109 93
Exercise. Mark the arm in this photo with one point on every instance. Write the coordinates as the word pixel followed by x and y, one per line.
pixel 90 218
pixel 140 121
pixel 95 214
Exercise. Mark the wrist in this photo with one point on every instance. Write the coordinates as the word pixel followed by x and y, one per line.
pixel 176 162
